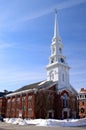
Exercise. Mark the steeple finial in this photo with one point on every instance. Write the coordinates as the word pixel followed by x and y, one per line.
pixel 56 30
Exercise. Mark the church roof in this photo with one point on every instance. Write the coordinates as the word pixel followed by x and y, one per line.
pixel 38 85
pixel 33 87
pixel 30 86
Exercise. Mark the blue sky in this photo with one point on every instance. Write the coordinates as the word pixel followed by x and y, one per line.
pixel 26 31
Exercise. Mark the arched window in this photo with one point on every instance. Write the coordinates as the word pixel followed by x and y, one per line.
pixel 51 75
pixel 65 100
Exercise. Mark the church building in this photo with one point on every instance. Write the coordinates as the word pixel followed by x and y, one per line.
pixel 53 98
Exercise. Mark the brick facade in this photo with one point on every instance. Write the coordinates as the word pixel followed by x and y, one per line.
pixel 21 105
pixel 68 107
pixel 2 106
pixel 82 103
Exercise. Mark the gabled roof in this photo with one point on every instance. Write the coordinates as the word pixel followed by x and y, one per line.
pixel 38 85
pixel 33 87
pixel 69 89
pixel 30 86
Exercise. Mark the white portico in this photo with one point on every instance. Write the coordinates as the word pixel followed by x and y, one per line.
pixel 57 69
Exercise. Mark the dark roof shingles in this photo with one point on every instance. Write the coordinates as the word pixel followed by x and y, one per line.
pixel 38 85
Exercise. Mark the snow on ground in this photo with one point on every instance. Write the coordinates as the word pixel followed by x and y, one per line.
pixel 47 122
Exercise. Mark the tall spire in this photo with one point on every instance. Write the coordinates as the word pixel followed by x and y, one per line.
pixel 57 69
pixel 56 30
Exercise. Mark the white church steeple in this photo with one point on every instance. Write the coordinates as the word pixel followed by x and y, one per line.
pixel 57 69
pixel 56 29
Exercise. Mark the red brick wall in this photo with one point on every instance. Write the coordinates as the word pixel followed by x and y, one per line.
pixel 71 103
pixel 82 109
pixel 2 106
pixel 20 105
pixel 44 102
pixel 82 103
pixel 1 100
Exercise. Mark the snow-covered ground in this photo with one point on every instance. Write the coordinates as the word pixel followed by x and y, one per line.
pixel 47 122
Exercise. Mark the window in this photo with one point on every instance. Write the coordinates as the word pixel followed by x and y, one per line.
pixel 18 103
pixel 62 60
pixel 80 96
pixel 65 100
pixel 30 104
pixel 8 104
pixel 82 103
pixel 8 100
pixel 13 99
pixel 60 50
pixel 30 101
pixel 52 60
pixel 30 98
pixel 13 103
pixel 63 77
pixel 51 76
pixel 29 112
pixel 82 110
pixel 18 99
pixel 24 103
pixel 23 99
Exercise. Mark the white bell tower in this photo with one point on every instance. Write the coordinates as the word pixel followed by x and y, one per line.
pixel 57 69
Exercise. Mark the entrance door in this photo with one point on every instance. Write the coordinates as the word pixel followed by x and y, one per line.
pixel 65 115
pixel 50 114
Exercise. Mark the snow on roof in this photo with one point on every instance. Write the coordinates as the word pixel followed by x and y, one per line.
pixel 21 92
pixel 41 83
